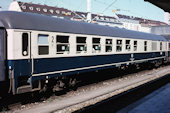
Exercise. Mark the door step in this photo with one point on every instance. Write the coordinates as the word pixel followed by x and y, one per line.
pixel 24 89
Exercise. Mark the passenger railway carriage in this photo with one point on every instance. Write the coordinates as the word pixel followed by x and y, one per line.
pixel 35 48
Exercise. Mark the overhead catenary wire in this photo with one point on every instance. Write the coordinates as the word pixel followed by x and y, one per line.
pixel 116 8
pixel 98 1
pixel 109 6
pixel 101 2
pixel 105 9
pixel 84 19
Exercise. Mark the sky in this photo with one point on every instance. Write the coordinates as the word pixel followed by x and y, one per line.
pixel 136 8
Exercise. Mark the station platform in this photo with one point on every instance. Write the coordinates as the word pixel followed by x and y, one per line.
pixel 156 102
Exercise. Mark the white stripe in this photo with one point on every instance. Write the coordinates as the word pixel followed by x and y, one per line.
pixel 91 67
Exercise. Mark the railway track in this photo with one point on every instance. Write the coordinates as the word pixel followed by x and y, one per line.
pixel 75 101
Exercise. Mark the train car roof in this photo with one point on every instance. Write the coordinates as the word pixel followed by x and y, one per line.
pixel 32 21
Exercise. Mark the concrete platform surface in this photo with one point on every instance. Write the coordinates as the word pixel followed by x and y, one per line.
pixel 156 102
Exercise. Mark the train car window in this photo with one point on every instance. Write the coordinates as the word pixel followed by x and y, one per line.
pixel 43 46
pixel 154 46
pixel 81 44
pixel 160 45
pixel 119 45
pixel 145 45
pixel 127 45
pixel 62 44
pixel 135 45
pixel 25 44
pixel 96 45
pixel 108 45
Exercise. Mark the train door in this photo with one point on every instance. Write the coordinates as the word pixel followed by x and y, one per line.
pixel 21 63
pixel 26 51
pixel 2 55
pixel 23 67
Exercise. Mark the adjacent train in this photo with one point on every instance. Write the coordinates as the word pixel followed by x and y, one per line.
pixel 37 50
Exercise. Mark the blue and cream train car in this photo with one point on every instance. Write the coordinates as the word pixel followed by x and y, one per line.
pixel 35 48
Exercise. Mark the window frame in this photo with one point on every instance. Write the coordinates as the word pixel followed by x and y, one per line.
pixel 65 45
pixel 154 44
pixel 110 45
pixel 161 46
pixel 25 52
pixel 127 45
pixel 135 46
pixel 94 45
pixel 119 45
pixel 145 45
pixel 84 45
pixel 43 45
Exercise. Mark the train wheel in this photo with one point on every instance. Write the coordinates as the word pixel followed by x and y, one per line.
pixel 72 83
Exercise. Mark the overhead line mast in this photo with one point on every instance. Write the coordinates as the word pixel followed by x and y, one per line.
pixel 89 11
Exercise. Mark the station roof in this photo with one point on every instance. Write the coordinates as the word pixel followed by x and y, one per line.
pixel 163 4
pixel 32 21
